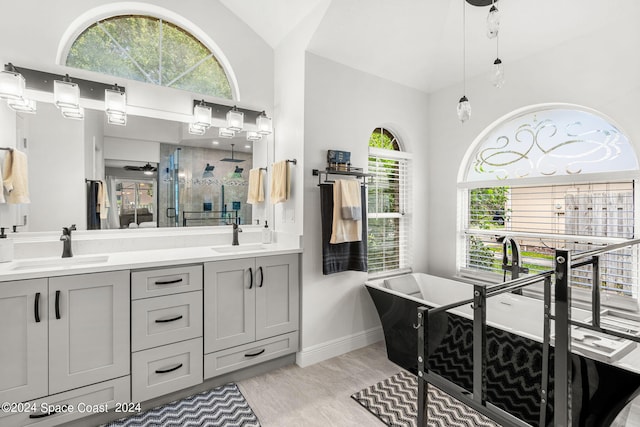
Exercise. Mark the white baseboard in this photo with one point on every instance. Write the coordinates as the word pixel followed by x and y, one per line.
pixel 319 352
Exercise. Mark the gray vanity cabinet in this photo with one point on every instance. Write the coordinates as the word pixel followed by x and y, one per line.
pixel 23 337
pixel 88 329
pixel 251 311
pixel 229 303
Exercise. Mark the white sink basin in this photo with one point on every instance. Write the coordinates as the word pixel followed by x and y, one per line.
pixel 58 262
pixel 239 248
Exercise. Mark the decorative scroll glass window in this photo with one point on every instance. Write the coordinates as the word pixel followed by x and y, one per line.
pixel 388 212
pixel 150 50
pixel 551 178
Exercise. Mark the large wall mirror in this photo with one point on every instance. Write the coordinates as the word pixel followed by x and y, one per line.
pixel 155 173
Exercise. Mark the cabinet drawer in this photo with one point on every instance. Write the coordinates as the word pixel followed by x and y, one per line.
pixel 165 369
pixel 242 356
pixel 85 401
pixel 165 281
pixel 165 320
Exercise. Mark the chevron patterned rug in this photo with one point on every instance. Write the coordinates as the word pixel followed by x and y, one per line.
pixel 222 406
pixel 394 402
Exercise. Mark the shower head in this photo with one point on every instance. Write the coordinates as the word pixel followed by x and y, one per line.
pixel 208 171
pixel 232 159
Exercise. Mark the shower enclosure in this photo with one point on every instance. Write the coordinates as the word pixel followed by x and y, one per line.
pixel 203 187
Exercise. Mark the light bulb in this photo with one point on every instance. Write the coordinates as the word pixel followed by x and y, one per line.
pixel 497 73
pixel 493 22
pixel 464 109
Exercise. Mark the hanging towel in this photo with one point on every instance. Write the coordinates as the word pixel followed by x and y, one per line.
pixel 93 216
pixel 280 182
pixel 342 256
pixel 255 194
pixel 103 200
pixel 15 177
pixel 343 230
pixel 351 206
pixel 2 199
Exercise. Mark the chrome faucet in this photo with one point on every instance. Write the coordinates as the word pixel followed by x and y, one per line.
pixel 236 230
pixel 516 262
pixel 66 241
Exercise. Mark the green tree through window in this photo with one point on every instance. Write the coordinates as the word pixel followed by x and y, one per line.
pixel 150 50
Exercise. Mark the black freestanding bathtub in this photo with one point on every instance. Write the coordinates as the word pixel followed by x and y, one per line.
pixel 514 350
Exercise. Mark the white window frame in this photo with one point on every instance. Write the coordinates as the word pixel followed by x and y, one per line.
pixel 405 215
pixel 627 303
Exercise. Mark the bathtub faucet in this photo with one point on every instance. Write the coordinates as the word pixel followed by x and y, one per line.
pixel 516 262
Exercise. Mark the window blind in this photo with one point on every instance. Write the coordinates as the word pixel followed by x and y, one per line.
pixel 388 211
pixel 542 218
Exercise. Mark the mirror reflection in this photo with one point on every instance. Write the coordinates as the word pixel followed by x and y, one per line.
pixel 149 173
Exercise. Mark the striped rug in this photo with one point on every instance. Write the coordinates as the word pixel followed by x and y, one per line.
pixel 394 402
pixel 222 406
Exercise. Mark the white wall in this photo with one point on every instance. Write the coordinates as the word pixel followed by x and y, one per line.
pixel 599 71
pixel 289 115
pixel 342 108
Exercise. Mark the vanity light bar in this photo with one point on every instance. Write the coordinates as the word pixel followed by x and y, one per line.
pixel 67 92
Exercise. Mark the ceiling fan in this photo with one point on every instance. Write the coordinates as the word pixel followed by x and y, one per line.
pixel 148 169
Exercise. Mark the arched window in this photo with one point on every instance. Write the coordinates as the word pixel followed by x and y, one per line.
pixel 388 213
pixel 550 177
pixel 150 50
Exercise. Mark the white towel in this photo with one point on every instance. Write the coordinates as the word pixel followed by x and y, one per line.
pixel 255 193
pixel 15 177
pixel 103 200
pixel 280 182
pixel 2 199
pixel 343 230
pixel 351 206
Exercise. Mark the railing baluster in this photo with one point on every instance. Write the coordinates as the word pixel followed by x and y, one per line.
pixel 479 344
pixel 562 355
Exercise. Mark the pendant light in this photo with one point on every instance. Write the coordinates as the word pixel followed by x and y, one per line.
pixel 497 69
pixel 12 83
pixel 66 94
pixel 264 124
pixel 253 136
pixel 464 107
pixel 202 115
pixel 115 106
pixel 22 105
pixel 493 22
pixel 235 119
pixel 226 133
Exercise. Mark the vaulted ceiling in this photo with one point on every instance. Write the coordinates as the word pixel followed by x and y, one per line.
pixel 418 43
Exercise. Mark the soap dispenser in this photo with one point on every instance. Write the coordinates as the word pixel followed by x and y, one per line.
pixel 266 233
pixel 6 247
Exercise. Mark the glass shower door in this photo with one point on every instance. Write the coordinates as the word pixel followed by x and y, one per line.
pixel 173 190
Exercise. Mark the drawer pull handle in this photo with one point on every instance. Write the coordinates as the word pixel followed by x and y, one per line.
pixel 164 371
pixel 58 305
pixel 171 319
pixel 261 276
pixel 45 414
pixel 36 307
pixel 251 277
pixel 169 282
pixel 255 354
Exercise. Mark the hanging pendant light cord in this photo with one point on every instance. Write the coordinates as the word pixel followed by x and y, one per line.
pixel 464 48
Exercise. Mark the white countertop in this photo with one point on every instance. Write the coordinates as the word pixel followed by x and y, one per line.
pixel 30 268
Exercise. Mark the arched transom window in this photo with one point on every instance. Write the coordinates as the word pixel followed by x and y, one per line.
pixel 150 50
pixel 550 177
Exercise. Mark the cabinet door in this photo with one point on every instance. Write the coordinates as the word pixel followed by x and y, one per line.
pixel 88 329
pixel 229 304
pixel 23 334
pixel 277 305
